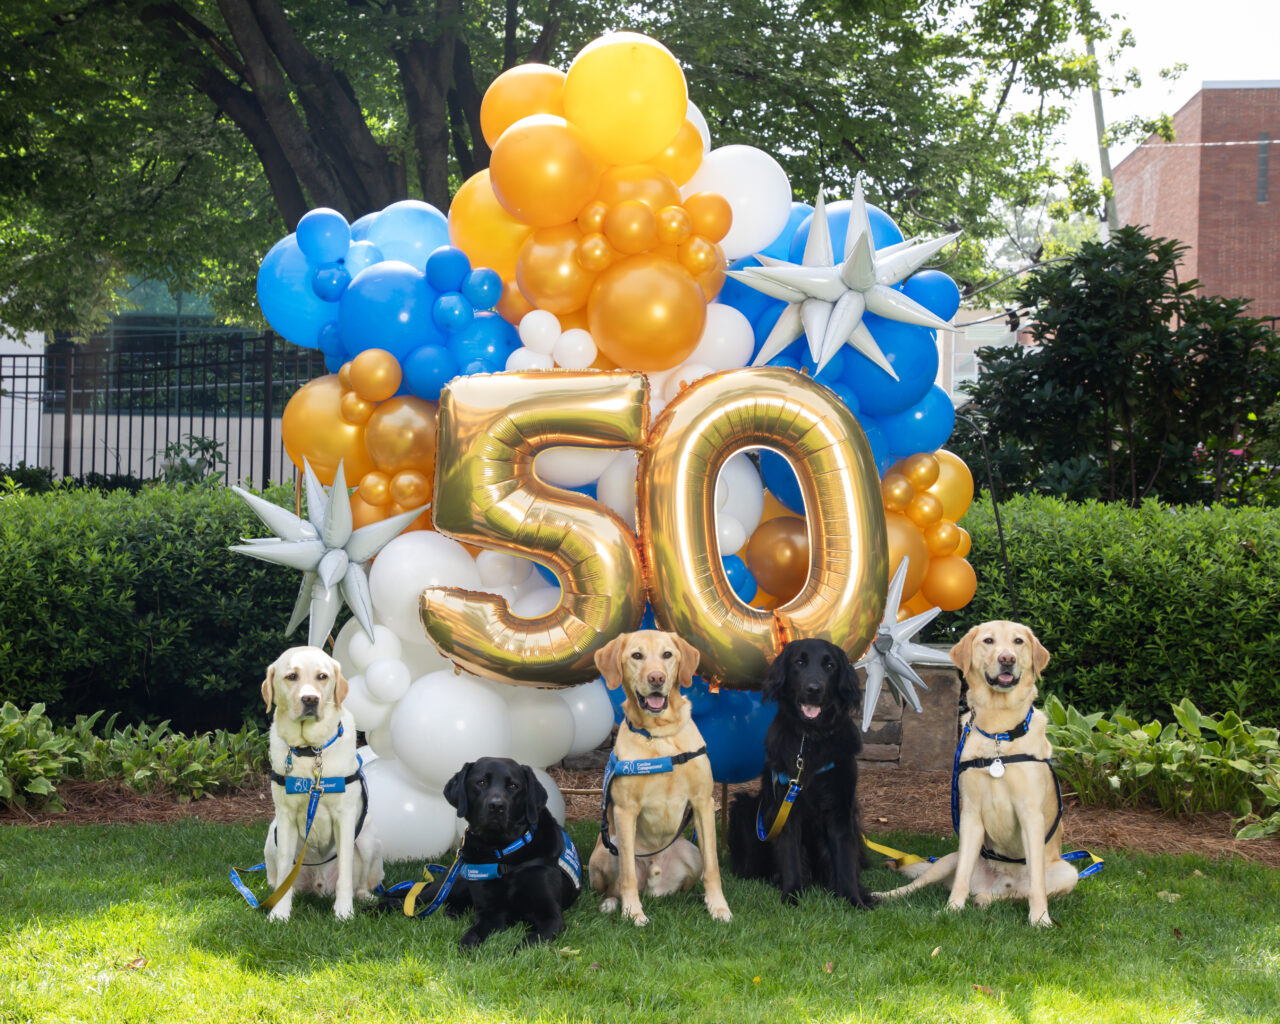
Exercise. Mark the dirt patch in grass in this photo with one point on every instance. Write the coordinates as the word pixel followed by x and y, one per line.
pixel 892 800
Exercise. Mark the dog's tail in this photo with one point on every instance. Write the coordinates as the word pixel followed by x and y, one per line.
pixel 936 872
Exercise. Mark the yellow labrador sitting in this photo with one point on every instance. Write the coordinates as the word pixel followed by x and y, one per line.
pixel 1010 807
pixel 658 770
pixel 313 737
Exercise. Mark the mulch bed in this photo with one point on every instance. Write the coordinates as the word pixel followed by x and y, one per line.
pixel 892 800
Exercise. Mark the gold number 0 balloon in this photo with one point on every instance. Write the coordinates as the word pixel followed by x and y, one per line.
pixel 486 493
pixel 843 598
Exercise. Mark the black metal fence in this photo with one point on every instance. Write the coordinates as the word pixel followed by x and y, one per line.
pixel 115 411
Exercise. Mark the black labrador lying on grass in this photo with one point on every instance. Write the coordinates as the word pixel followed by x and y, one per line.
pixel 803 828
pixel 516 865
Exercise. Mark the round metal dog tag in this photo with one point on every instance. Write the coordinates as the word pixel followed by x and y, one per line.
pixel 996 768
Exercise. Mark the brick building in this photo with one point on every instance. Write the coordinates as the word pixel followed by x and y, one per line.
pixel 1217 189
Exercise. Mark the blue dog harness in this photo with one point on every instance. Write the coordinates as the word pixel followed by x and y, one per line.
pixel 641 766
pixel 794 786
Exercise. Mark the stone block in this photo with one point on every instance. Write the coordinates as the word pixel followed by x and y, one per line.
pixel 929 738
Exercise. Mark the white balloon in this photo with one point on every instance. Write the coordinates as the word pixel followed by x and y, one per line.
pixel 380 741
pixel 731 535
pixel 727 340
pixel 364 652
pixel 616 489
pixel 592 715
pixel 568 466
pixel 533 583
pixel 446 720
pixel 541 726
pixel 700 122
pixel 367 711
pixel 521 570
pixel 414 824
pixel 540 330
pixel 682 377
pixel 536 602
pixel 555 799
pixel 387 679
pixel 342 647
pixel 366 754
pixel 408 564
pixel 528 359
pixel 496 567
pixel 575 349
pixel 758 192
pixel 422 659
pixel 746 490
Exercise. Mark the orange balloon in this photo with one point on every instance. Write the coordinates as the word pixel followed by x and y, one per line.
pixel 646 313
pixel 778 556
pixel 603 362
pixel 897 492
pixel 313 428
pixel 954 486
pixel 697 255
pixel 773 508
pixel 549 272
pixel 766 601
pixel 410 488
pixel 924 510
pixel 637 181
pixel 513 305
pixel 683 154
pixel 591 217
pixel 906 541
pixel 375 488
pixel 595 253
pixel 576 318
pixel 712 281
pixel 950 583
pixel 942 537
pixel 423 522
pixel 917 605
pixel 375 375
pixel 710 214
pixel 480 227
pixel 401 434
pixel 674 225
pixel 344 376
pixel 630 226
pixel 543 171
pixel 965 544
pixel 362 513
pixel 921 469
pixel 517 93
pixel 356 410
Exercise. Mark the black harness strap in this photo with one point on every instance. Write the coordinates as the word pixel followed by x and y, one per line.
pixel 986 762
pixel 664 765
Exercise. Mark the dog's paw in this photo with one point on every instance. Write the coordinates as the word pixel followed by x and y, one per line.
pixel 608 906
pixel 278 913
pixel 343 911
pixel 983 899
pixel 720 910
pixel 790 897
pixel 635 915
pixel 471 939
pixel 1043 921
pixel 955 906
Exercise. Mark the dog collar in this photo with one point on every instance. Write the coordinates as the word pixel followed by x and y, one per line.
pixel 1013 734
pixel 311 751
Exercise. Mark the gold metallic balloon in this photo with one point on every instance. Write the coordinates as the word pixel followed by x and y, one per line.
pixel 486 493
pixel 921 469
pixel 375 375
pixel 375 488
pixel 401 434
pixel 897 492
pixel 778 556
pixel 312 427
pixel 410 488
pixel 843 597
pixel 954 486
pixel 950 583
pixel 965 544
pixel 906 541
pixel 942 537
pixel 924 510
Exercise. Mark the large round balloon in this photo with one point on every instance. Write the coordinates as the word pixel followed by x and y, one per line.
pixel 313 428
pixel 543 170
pixel 481 227
pixel 758 191
pixel 388 306
pixel 627 94
pixel 734 730
pixel 911 351
pixel 517 93
pixel 409 231
pixel 446 720
pixel 921 427
pixel 549 272
pixel 286 297
pixel 413 824
pixel 406 565
pixel 401 434
pixel 954 485
pixel 646 313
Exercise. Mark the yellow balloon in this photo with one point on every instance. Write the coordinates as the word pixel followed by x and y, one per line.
pixel 710 215
pixel 954 486
pixel 517 93
pixel 375 375
pixel 698 256
pixel 550 274
pixel 313 428
pixel 628 95
pixel 674 225
pixel 543 171
pixel 401 434
pixel 595 253
pixel 683 154
pixel 646 313
pixel 950 583
pixel 906 541
pixel 480 227
pixel 842 598
pixel 491 428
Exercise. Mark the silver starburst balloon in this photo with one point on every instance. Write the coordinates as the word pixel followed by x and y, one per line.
pixel 827 299
pixel 327 550
pixel 892 652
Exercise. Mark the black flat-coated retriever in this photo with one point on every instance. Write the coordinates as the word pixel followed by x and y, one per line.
pixel 821 842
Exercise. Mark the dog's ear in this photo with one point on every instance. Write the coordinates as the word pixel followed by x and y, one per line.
pixel 1039 655
pixel 847 681
pixel 269 686
pixel 340 685
pixel 455 790
pixel 535 796
pixel 689 658
pixel 609 661
pixel 775 680
pixel 962 653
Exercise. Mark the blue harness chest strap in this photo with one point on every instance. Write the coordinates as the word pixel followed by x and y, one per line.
pixel 641 766
pixel 794 788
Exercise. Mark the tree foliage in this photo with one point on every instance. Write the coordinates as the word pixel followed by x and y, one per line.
pixel 1136 387
pixel 178 138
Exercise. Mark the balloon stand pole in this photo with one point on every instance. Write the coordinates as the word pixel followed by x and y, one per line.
pixel 995 512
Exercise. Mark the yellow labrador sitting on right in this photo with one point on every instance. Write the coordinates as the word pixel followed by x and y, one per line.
pixel 1010 822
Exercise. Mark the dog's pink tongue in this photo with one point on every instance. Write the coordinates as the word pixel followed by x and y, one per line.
pixel 810 710
pixel 655 702
pixel 1005 677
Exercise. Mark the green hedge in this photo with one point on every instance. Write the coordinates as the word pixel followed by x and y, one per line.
pixel 1138 607
pixel 133 603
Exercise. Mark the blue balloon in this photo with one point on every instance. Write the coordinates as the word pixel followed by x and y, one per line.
pixel 830 372
pixel 547 574
pixel 361 225
pixel 482 288
pixel 488 339
pixel 745 299
pixel 842 392
pixel 589 490
pixel 387 306
pixel 924 427
pixel 935 291
pixel 410 231
pixel 878 442
pixel 330 281
pixel 427 370
pixel 286 297
pixel 648 620
pixel 883 230
pixel 452 313
pixel 323 235
pixel 361 255
pixel 734 732
pixel 330 339
pixel 780 247
pixel 447 268
pixel 912 352
pixel 781 480
pixel 334 363
pixel 740 578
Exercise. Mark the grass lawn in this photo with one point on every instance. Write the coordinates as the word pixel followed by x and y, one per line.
pixel 139 923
